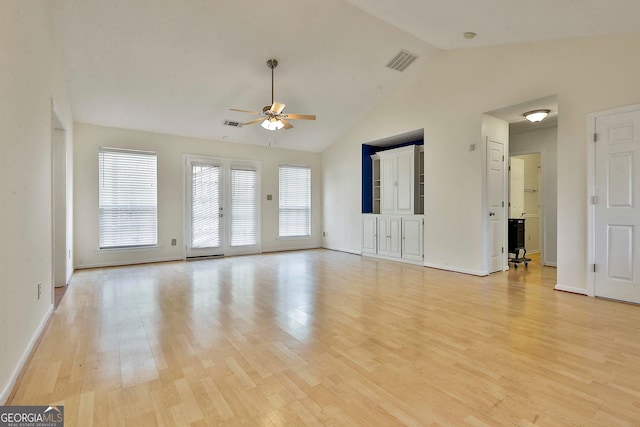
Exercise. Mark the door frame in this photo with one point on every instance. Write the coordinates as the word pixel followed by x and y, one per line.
pixel 591 188
pixel 543 190
pixel 59 205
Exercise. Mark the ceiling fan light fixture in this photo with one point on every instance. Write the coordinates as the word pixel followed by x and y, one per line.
pixel 272 124
pixel 272 117
pixel 535 116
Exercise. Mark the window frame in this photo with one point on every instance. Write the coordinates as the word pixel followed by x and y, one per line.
pixel 309 207
pixel 122 246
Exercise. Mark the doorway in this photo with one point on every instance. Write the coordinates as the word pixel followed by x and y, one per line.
pixel 60 253
pixel 525 198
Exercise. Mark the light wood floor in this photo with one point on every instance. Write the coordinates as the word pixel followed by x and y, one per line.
pixel 326 338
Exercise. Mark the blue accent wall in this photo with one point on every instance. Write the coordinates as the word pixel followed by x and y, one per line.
pixel 367 176
pixel 367 171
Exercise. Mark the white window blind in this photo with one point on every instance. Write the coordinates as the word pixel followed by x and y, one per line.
pixel 244 207
pixel 295 201
pixel 128 198
pixel 205 205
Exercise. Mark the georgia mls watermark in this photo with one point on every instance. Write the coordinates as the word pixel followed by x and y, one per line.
pixel 31 416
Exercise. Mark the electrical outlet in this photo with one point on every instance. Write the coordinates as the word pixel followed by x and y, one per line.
pixel 39 290
pixel 173 242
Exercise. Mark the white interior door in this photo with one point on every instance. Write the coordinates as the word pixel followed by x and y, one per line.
pixel 516 188
pixel 495 202
pixel 617 214
pixel 204 209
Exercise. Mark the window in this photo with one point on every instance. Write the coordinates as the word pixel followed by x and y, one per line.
pixel 244 207
pixel 295 201
pixel 128 198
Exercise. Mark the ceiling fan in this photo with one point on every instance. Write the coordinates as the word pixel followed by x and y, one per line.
pixel 272 117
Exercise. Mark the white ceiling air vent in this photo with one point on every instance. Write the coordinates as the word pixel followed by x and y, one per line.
pixel 402 60
pixel 233 124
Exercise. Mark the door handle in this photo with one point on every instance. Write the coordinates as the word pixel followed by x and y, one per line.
pixel 492 213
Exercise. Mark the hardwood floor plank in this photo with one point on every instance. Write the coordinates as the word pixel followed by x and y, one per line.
pixel 325 338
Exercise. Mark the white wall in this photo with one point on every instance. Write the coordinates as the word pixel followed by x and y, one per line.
pixel 171 150
pixel 32 75
pixel 447 98
pixel 544 141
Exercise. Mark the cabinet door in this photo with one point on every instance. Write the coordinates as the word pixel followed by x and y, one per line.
pixel 405 178
pixel 389 236
pixel 388 183
pixel 369 234
pixel 412 236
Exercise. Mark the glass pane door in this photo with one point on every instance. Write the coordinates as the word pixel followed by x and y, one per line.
pixel 204 209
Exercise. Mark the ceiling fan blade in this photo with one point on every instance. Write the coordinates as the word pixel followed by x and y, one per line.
pixel 261 119
pixel 277 107
pixel 244 111
pixel 287 125
pixel 300 116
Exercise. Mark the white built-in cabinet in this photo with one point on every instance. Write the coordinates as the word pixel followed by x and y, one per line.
pixel 369 234
pixel 400 180
pixel 390 236
pixel 395 229
pixel 393 237
pixel 413 237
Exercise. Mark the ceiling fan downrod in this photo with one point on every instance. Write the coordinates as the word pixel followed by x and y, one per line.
pixel 272 63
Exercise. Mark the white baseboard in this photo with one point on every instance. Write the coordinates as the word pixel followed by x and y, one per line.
pixel 550 264
pixel 391 258
pixel 456 270
pixel 349 251
pixel 118 263
pixel 296 248
pixel 571 289
pixel 8 388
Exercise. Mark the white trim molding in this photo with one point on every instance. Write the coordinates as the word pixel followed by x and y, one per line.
pixel 120 263
pixel 348 251
pixel 457 270
pixel 571 289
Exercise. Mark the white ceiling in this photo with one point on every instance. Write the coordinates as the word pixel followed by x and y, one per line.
pixel 176 67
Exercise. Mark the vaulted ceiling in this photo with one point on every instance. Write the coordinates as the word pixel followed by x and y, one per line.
pixel 176 67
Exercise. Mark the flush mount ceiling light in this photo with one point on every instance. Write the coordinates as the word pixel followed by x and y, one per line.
pixel 469 35
pixel 535 116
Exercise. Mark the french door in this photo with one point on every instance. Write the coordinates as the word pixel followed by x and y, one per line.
pixel 221 207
